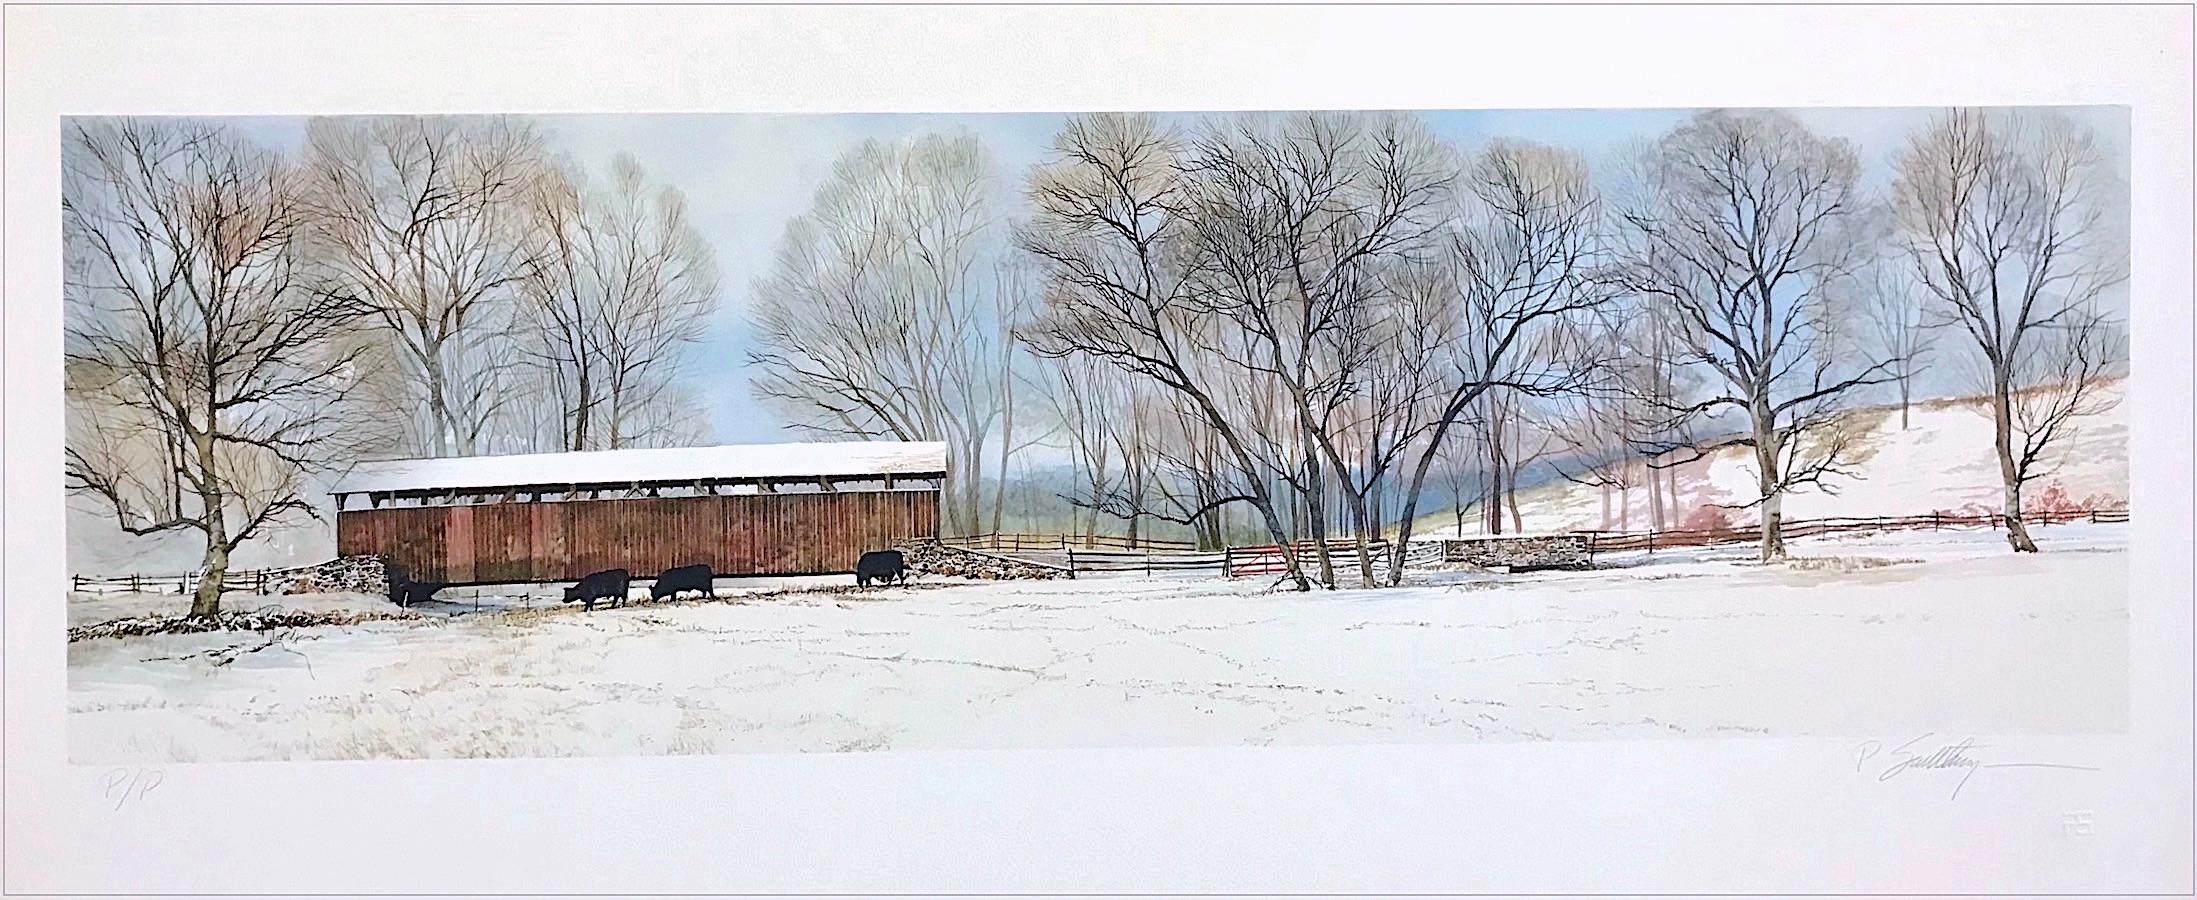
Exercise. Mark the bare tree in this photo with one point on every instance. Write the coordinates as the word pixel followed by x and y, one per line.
pixel 1526 248
pixel 873 323
pixel 1746 222
pixel 1460 467
pixel 1297 219
pixel 1517 431
pixel 1898 330
pixel 206 374
pixel 418 221
pixel 2004 217
pixel 1077 403
pixel 1600 431
pixel 1012 297
pixel 1614 436
pixel 1111 229
pixel 621 286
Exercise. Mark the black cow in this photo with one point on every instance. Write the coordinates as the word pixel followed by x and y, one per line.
pixel 398 578
pixel 881 566
pixel 609 584
pixel 681 580
pixel 417 591
pixel 403 591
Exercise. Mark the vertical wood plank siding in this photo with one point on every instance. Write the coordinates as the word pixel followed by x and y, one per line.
pixel 741 534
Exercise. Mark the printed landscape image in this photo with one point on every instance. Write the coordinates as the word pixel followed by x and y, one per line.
pixel 412 437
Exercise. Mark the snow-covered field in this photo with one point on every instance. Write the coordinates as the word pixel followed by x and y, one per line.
pixel 1915 631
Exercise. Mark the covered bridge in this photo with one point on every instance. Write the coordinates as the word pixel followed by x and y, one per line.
pixel 756 509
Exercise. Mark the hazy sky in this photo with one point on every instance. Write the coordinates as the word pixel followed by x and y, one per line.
pixel 745 175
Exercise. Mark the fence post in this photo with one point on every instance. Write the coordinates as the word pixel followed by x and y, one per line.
pixel 134 586
pixel 1228 561
pixel 1071 559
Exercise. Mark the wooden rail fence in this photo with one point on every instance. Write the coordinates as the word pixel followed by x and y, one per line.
pixel 1617 541
pixel 1149 561
pixel 1268 559
pixel 1013 541
pixel 238 580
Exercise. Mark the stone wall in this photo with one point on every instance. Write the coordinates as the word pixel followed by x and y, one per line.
pixel 344 574
pixel 929 557
pixel 1521 552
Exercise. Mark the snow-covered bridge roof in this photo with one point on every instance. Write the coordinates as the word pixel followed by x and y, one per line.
pixel 677 465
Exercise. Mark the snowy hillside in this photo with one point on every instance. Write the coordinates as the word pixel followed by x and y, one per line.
pixel 1941 461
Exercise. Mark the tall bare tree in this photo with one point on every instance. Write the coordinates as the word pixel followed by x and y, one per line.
pixel 1111 228
pixel 419 221
pixel 873 322
pixel 206 372
pixel 1746 224
pixel 2004 217
pixel 621 285
pixel 1526 247
pixel 1297 220
pixel 1013 296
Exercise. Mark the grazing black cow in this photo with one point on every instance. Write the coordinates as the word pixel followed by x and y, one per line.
pixel 418 592
pixel 680 580
pixel 398 578
pixel 609 584
pixel 881 566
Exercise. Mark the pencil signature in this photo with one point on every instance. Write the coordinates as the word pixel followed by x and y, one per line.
pixel 1964 756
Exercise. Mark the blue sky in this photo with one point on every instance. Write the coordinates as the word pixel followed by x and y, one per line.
pixel 746 175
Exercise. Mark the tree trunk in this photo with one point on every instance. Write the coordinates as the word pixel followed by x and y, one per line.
pixel 438 407
pixel 1494 511
pixel 1361 513
pixel 214 567
pixel 617 412
pixel 1510 495
pixel 1678 509
pixel 584 412
pixel 1773 527
pixel 1006 452
pixel 976 486
pixel 1773 508
pixel 2002 422
pixel 1316 516
pixel 1772 482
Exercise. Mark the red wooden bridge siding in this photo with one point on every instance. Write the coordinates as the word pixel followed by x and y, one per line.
pixel 743 534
